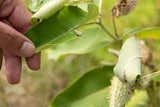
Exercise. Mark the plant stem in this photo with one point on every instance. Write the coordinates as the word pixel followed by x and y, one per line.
pixel 114 26
pixel 114 52
pixel 99 22
pixel 86 24
pixel 107 31
pixel 102 26
pixel 151 76
pixel 100 6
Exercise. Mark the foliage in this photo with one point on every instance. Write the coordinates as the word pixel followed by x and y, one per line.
pixel 57 28
pixel 89 90
pixel 86 28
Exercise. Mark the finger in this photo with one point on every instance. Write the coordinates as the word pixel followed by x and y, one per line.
pixel 13 68
pixel 20 17
pixel 1 1
pixel 6 7
pixel 34 62
pixel 1 58
pixel 14 42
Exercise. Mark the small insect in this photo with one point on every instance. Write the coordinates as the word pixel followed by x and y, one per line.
pixel 123 7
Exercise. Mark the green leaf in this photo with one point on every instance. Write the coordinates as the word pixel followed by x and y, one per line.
pixel 98 99
pixel 128 68
pixel 57 25
pixel 87 91
pixel 145 33
pixel 157 78
pixel 149 33
pixel 92 38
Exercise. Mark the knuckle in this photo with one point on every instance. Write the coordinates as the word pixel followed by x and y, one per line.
pixel 12 42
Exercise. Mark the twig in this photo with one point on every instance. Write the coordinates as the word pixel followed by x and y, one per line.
pixel 114 26
pixel 99 22
pixel 85 24
pixel 100 6
pixel 151 76
pixel 114 52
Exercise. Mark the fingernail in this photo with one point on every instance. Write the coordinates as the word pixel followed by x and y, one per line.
pixel 27 49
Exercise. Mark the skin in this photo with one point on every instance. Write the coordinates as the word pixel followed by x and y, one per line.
pixel 14 22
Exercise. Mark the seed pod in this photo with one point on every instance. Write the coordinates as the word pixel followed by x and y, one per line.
pixel 49 9
pixel 128 68
pixel 120 93
pixel 123 7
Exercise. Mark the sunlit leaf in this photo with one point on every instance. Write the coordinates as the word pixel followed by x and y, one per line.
pixel 97 99
pixel 149 33
pixel 87 91
pixel 91 38
pixel 145 33
pixel 57 25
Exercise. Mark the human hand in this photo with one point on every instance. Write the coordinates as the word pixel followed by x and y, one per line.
pixel 14 21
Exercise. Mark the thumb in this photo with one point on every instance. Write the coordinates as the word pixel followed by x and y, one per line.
pixel 14 42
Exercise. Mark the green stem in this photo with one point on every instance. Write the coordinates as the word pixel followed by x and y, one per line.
pixel 86 24
pixel 100 6
pixel 102 26
pixel 151 76
pixel 114 26
pixel 114 52
pixel 107 31
pixel 99 22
